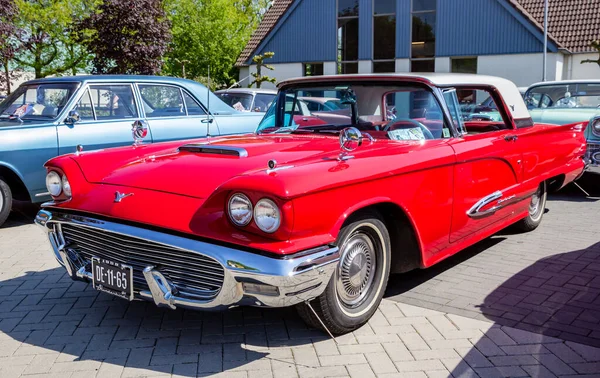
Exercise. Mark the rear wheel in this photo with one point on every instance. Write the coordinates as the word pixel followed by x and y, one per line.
pixel 357 286
pixel 5 201
pixel 537 207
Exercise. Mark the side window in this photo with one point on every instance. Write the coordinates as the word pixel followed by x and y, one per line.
pixel 479 111
pixel 193 108
pixel 414 114
pixel 162 101
pixel 262 102
pixel 84 107
pixel 112 102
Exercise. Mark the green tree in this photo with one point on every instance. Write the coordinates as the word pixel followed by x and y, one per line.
pixel 259 78
pixel 48 41
pixel 210 33
pixel 8 31
pixel 595 45
pixel 128 37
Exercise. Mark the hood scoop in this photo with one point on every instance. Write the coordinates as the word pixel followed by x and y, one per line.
pixel 214 149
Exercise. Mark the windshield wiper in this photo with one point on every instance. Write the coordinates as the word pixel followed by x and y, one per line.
pixel 285 129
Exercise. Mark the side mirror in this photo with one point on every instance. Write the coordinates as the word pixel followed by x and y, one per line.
pixel 72 118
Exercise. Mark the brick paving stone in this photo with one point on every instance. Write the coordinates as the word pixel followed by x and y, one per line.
pixel 361 371
pixel 380 362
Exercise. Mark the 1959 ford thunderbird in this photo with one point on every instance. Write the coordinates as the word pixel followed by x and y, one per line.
pixel 313 209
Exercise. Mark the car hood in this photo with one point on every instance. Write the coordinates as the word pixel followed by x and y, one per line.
pixel 563 116
pixel 196 168
pixel 189 168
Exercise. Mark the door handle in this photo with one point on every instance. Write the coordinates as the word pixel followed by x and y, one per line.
pixel 511 138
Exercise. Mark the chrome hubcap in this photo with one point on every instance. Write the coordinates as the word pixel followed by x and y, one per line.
pixel 357 268
pixel 534 205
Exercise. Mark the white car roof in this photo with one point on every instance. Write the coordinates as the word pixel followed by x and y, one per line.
pixel 509 91
pixel 565 82
pixel 248 90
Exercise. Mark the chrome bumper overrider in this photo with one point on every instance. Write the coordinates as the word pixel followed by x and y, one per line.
pixel 592 154
pixel 249 278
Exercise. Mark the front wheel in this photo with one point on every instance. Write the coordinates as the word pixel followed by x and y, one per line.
pixel 5 201
pixel 537 207
pixel 357 286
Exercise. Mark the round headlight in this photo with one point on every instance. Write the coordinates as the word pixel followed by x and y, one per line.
pixel 240 209
pixel 596 126
pixel 53 184
pixel 267 216
pixel 66 186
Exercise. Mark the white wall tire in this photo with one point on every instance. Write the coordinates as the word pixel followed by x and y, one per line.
pixel 537 207
pixel 5 201
pixel 358 284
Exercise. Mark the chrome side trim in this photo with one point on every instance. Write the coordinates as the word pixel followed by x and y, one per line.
pixel 297 279
pixel 476 211
pixel 215 149
pixel 42 194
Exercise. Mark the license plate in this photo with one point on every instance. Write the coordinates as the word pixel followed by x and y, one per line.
pixel 112 277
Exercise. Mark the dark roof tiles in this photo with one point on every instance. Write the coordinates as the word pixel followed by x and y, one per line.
pixel 574 24
pixel 266 25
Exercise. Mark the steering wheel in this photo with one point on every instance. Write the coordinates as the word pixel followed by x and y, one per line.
pixel 402 125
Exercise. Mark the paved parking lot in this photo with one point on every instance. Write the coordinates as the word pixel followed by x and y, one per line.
pixel 470 316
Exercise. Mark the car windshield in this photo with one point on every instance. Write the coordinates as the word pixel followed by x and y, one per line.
pixel 402 111
pixel 239 101
pixel 568 95
pixel 37 101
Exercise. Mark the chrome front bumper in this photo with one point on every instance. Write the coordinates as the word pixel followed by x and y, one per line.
pixel 249 279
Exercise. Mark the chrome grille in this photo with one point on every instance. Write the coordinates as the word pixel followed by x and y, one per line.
pixel 591 150
pixel 194 275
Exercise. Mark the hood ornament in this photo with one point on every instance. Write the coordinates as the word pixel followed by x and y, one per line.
pixel 350 139
pixel 119 196
pixel 139 131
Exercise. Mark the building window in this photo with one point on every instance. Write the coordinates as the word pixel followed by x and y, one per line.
pixel 463 65
pixel 384 67
pixel 422 65
pixel 384 35
pixel 347 36
pixel 312 69
pixel 423 35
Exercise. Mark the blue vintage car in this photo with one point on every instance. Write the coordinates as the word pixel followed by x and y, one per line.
pixel 49 117
pixel 569 101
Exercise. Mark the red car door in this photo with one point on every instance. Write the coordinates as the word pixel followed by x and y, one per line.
pixel 487 176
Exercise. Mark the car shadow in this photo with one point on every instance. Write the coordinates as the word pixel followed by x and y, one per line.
pixel 557 296
pixel 46 312
pixel 22 213
pixel 401 283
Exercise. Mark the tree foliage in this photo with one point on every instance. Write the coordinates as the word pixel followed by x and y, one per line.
pixel 46 37
pixel 595 45
pixel 127 37
pixel 210 32
pixel 259 78
pixel 8 48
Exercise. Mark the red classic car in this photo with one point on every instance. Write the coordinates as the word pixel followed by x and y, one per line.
pixel 315 216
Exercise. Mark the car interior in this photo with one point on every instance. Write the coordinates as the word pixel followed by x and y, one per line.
pixel 392 112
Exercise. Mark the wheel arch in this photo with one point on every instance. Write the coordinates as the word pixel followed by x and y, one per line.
pixel 15 182
pixel 555 183
pixel 405 241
